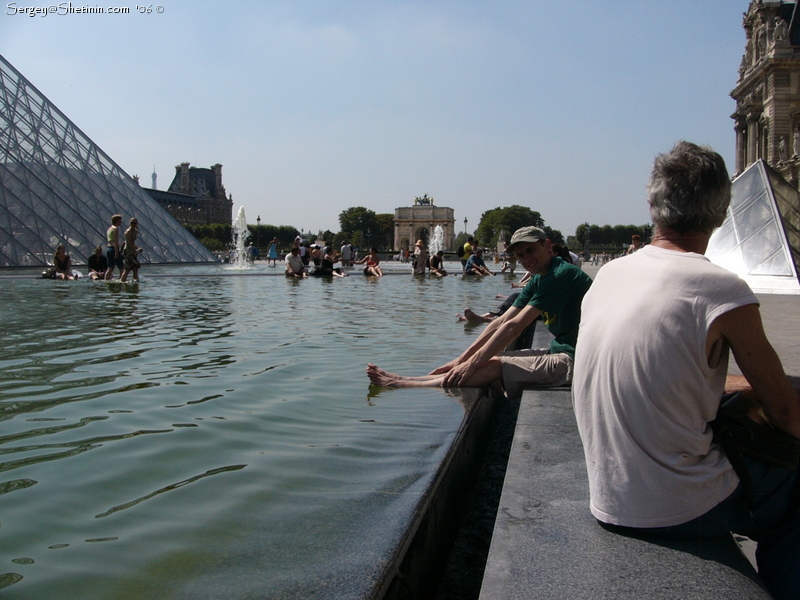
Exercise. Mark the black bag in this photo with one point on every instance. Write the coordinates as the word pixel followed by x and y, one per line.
pixel 49 273
pixel 737 433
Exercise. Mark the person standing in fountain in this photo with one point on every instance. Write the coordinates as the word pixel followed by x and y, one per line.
pixel 114 250
pixel 466 251
pixel 373 263
pixel 420 258
pixel 272 252
pixel 347 255
pixel 251 253
pixel 555 292
pixel 131 252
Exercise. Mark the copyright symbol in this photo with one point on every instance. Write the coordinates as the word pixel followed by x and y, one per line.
pixel 159 9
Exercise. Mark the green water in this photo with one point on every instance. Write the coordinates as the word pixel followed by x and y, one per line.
pixel 211 435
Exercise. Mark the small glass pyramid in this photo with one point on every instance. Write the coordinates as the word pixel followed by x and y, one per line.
pixel 759 238
pixel 58 187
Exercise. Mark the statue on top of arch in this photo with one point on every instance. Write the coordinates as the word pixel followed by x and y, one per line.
pixel 424 201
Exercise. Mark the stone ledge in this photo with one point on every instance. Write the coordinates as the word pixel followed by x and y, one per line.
pixel 546 544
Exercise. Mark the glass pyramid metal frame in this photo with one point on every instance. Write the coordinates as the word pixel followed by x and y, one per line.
pixel 58 187
pixel 760 237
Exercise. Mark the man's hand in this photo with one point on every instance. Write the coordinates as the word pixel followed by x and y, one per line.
pixel 458 375
pixel 444 368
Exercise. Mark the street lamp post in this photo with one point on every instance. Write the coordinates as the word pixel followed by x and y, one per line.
pixel 586 239
pixel 258 229
pixel 465 225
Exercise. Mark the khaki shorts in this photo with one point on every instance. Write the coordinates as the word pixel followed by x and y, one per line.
pixel 534 367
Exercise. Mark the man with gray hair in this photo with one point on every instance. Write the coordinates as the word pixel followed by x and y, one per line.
pixel 650 370
pixel 554 291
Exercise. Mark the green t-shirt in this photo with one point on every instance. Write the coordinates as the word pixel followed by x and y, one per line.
pixel 558 294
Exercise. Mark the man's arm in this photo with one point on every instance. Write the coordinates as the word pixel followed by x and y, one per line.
pixel 507 331
pixel 760 365
pixel 487 332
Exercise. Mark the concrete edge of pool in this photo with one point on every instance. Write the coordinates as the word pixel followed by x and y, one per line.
pixel 420 559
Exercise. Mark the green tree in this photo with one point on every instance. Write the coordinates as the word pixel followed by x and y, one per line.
pixel 554 235
pixel 460 240
pixel 385 237
pixel 360 226
pixel 221 234
pixel 506 221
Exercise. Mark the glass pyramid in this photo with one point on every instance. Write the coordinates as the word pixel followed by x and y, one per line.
pixel 58 187
pixel 759 239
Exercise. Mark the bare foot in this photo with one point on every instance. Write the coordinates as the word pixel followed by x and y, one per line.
pixel 380 377
pixel 383 378
pixel 472 317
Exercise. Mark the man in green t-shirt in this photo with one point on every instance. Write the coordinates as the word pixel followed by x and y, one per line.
pixel 555 292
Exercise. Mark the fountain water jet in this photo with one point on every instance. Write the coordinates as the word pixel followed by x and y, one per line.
pixel 240 235
pixel 437 240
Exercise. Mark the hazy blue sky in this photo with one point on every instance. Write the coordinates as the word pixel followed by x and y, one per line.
pixel 315 106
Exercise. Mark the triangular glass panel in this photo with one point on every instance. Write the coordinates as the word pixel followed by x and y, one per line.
pixel 759 238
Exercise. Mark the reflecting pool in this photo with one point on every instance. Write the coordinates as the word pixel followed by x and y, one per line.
pixel 211 433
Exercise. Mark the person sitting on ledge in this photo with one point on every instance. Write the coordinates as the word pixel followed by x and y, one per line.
pixel 470 316
pixel 97 264
pixel 295 267
pixel 327 268
pixel 650 369
pixel 554 291
pixel 373 261
pixel 475 264
pixel 437 264
pixel 63 264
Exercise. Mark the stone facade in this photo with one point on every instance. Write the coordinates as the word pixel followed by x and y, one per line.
pixel 767 94
pixel 196 196
pixel 412 223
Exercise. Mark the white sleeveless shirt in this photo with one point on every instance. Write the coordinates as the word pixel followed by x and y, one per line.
pixel 643 392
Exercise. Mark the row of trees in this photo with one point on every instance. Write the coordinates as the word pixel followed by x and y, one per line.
pixel 610 236
pixel 365 228
pixel 359 226
pixel 218 237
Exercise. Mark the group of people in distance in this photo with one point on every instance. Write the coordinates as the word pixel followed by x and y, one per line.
pixel 645 348
pixel 298 260
pixel 121 252
pixel 326 266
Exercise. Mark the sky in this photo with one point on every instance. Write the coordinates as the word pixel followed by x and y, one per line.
pixel 313 107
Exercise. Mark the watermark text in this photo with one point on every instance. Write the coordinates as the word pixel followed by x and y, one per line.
pixel 67 8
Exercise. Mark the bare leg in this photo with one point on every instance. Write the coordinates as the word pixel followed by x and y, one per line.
pixel 376 373
pixel 491 371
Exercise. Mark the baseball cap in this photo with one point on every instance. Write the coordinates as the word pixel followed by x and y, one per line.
pixel 527 234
